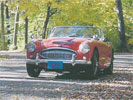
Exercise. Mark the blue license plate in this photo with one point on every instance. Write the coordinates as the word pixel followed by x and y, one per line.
pixel 55 65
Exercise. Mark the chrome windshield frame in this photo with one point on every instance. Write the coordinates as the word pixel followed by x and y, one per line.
pixel 101 38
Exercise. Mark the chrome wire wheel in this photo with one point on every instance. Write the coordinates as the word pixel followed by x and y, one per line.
pixel 95 67
pixel 109 70
pixel 93 70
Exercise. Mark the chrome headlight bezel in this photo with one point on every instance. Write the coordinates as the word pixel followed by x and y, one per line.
pixel 84 48
pixel 31 47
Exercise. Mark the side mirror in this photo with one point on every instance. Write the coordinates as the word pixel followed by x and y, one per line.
pixel 95 37
pixel 32 36
pixel 106 40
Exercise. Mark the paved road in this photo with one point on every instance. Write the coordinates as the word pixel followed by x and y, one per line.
pixel 124 58
pixel 15 84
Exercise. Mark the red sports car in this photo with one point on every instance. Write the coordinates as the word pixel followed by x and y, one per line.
pixel 71 48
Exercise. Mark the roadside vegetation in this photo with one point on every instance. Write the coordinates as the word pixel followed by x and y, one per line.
pixel 21 19
pixel 2 57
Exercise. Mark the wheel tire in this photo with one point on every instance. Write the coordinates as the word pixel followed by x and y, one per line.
pixel 93 70
pixel 33 70
pixel 109 70
pixel 73 73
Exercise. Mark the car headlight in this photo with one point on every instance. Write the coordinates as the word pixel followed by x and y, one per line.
pixel 84 48
pixel 31 47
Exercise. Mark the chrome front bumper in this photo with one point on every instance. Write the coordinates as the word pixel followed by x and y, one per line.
pixel 72 61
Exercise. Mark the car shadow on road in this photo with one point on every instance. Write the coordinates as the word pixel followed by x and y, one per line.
pixel 101 76
pixel 77 76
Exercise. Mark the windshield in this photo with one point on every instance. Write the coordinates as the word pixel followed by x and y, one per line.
pixel 76 31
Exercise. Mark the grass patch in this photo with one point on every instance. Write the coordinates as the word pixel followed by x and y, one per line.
pixel 2 57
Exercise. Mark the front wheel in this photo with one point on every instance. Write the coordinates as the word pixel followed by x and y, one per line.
pixel 109 70
pixel 33 70
pixel 93 70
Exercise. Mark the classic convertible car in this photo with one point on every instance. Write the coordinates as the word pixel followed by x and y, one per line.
pixel 71 48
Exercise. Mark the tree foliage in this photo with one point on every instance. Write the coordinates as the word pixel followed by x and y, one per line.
pixel 99 13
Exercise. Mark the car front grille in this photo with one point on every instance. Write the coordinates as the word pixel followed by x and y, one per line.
pixel 58 54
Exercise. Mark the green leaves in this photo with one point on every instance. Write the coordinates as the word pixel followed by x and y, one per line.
pixel 100 13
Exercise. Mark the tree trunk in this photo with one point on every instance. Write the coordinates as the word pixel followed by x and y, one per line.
pixel 26 30
pixel 7 12
pixel 7 20
pixel 46 23
pixel 7 25
pixel 15 30
pixel 121 26
pixel 2 27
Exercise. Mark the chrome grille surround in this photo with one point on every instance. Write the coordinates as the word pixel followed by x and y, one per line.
pixel 57 53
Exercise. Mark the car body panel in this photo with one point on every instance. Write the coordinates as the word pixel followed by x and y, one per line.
pixel 104 48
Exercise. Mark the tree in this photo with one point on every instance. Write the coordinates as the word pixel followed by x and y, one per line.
pixel 15 29
pixel 2 27
pixel 121 26
pixel 50 11
pixel 127 6
pixel 26 30
pixel 37 7
pixel 44 14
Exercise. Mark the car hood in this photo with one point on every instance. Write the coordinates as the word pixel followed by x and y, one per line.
pixel 72 43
